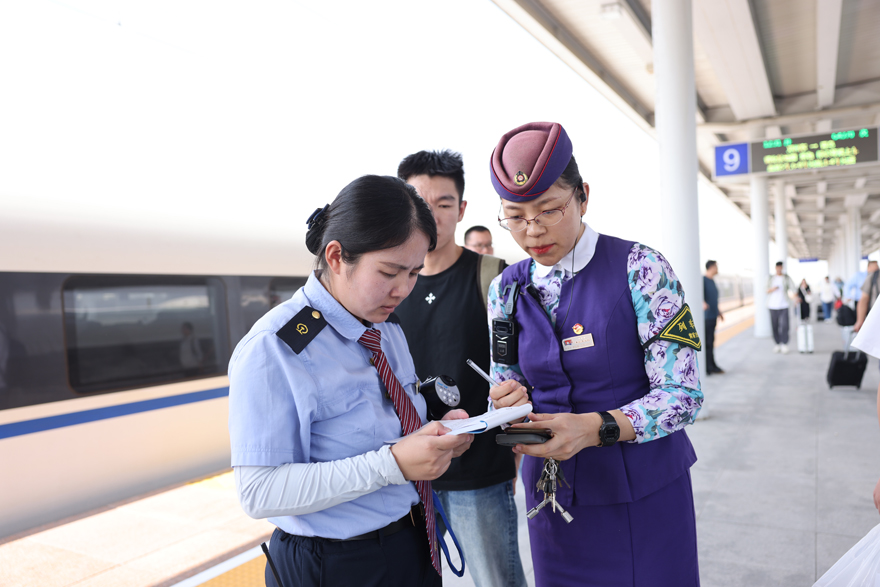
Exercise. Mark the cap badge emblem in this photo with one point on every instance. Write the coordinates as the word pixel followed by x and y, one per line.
pixel 578 328
pixel 520 178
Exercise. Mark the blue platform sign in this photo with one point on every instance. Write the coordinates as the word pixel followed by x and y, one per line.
pixel 731 159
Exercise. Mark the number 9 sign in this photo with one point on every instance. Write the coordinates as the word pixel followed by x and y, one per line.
pixel 731 159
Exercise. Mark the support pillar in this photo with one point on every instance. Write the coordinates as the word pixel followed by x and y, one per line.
pixel 675 115
pixel 781 224
pixel 854 225
pixel 761 233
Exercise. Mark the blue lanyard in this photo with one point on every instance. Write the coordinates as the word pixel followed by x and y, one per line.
pixel 439 508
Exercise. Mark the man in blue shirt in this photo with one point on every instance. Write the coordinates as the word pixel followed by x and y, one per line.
pixel 852 289
pixel 712 314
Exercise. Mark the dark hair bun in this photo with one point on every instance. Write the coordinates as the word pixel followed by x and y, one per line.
pixel 315 235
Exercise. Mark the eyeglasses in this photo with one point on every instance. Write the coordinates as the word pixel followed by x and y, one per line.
pixel 546 218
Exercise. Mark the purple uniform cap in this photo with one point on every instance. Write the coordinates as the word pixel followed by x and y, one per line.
pixel 529 159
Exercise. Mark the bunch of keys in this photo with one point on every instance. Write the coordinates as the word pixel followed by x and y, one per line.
pixel 547 484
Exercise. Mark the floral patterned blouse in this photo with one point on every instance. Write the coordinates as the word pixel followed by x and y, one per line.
pixel 674 398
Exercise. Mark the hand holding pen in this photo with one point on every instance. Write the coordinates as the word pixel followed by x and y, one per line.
pixel 505 394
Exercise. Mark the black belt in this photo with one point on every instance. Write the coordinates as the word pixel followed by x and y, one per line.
pixel 407 521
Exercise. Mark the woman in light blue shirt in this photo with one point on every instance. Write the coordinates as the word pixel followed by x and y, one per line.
pixel 312 409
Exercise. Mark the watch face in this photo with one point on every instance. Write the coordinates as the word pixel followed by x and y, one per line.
pixel 609 433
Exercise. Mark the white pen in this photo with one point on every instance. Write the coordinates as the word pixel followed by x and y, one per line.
pixel 481 373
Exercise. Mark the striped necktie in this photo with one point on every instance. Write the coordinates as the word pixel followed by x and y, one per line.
pixel 409 422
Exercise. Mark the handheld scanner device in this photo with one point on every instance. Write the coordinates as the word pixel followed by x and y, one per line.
pixel 441 393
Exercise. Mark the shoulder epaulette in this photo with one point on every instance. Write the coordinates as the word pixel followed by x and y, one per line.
pixel 302 329
pixel 681 329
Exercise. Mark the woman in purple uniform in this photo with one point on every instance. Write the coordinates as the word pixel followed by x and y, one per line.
pixel 605 338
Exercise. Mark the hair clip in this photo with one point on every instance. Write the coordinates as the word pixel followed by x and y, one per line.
pixel 317 218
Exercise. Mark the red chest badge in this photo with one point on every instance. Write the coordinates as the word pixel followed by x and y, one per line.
pixel 578 328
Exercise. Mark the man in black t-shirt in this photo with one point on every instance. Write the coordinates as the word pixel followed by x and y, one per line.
pixel 445 322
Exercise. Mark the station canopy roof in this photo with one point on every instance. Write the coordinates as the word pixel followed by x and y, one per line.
pixel 763 69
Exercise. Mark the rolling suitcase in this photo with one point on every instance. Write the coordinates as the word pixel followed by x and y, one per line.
pixel 805 338
pixel 847 368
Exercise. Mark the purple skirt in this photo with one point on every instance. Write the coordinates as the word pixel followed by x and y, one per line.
pixel 651 542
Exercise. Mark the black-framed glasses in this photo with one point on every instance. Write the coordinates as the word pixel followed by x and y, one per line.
pixel 545 218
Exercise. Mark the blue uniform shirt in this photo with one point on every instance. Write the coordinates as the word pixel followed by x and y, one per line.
pixel 325 403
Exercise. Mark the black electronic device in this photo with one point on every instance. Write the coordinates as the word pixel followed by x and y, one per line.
pixel 609 431
pixel 504 338
pixel 441 393
pixel 514 436
pixel 504 347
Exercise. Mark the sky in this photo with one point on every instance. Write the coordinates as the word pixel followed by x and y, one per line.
pixel 227 123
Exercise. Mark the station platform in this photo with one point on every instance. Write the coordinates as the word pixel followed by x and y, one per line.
pixel 783 488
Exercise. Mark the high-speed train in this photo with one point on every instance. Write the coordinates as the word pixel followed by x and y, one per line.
pixel 114 346
pixel 113 355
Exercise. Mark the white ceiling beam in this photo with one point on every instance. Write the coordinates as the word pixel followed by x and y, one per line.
pixel 727 34
pixel 621 16
pixel 872 109
pixel 860 182
pixel 827 42
pixel 554 35
pixel 855 200
pixel 823 125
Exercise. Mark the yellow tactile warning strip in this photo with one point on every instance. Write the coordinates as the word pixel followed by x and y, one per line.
pixel 728 333
pixel 250 574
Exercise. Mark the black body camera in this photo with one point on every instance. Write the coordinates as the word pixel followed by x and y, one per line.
pixel 504 347
pixel 504 339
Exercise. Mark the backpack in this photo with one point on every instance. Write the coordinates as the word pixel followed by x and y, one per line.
pixel 488 268
pixel 846 316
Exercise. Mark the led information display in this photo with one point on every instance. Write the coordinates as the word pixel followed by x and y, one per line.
pixel 837 149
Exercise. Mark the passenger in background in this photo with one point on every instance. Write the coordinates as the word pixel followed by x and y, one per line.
pixel 870 290
pixel 780 289
pixel 712 314
pixel 319 386
pixel 868 340
pixel 804 297
pixel 828 295
pixel 479 240
pixel 444 320
pixel 852 289
pixel 838 283
pixel 190 352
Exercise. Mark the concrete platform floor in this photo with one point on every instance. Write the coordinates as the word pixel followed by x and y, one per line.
pixel 786 471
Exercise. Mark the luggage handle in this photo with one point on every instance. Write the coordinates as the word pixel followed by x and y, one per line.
pixel 852 337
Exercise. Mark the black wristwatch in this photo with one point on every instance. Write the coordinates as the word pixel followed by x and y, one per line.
pixel 609 431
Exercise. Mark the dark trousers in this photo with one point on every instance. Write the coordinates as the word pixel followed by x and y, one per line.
pixel 710 345
pixel 779 320
pixel 400 560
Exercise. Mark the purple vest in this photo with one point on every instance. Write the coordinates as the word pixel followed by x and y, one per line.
pixel 603 377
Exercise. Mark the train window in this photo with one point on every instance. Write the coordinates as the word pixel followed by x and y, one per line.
pixel 282 289
pixel 261 294
pixel 130 331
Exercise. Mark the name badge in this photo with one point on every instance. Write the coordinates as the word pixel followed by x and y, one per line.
pixel 577 342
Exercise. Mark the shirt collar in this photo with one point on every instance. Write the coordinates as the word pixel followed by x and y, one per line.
pixel 334 313
pixel 582 254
